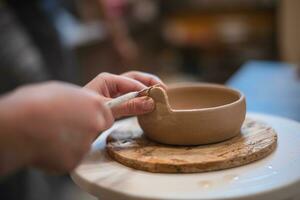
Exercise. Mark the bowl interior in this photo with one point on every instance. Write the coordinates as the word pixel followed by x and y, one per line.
pixel 197 97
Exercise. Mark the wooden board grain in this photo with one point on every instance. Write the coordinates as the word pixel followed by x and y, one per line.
pixel 129 146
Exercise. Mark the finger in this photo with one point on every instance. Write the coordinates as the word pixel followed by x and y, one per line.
pixel 137 106
pixel 145 78
pixel 111 85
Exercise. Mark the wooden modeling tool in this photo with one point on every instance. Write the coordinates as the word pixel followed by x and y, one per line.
pixel 126 97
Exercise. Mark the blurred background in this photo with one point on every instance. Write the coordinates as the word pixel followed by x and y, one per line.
pixel 194 39
pixel 202 40
pixel 191 40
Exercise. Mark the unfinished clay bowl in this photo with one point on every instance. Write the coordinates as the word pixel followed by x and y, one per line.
pixel 194 114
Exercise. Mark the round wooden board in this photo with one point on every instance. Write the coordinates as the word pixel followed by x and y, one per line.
pixel 130 147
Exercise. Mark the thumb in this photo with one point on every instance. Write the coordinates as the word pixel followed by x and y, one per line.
pixel 137 106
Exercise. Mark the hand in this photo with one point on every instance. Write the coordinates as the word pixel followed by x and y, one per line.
pixel 50 126
pixel 111 86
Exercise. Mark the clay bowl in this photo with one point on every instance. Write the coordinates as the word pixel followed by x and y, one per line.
pixel 194 114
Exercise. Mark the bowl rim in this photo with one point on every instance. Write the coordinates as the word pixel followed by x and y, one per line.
pixel 207 85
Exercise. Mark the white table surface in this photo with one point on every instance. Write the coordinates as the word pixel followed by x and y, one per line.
pixel 274 177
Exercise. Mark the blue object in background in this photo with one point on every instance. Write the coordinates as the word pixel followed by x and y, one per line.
pixel 269 87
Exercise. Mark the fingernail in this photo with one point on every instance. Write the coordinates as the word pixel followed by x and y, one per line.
pixel 148 104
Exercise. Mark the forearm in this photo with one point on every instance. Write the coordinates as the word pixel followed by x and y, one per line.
pixel 14 146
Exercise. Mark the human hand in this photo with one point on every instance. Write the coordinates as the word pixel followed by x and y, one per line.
pixel 52 125
pixel 111 86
